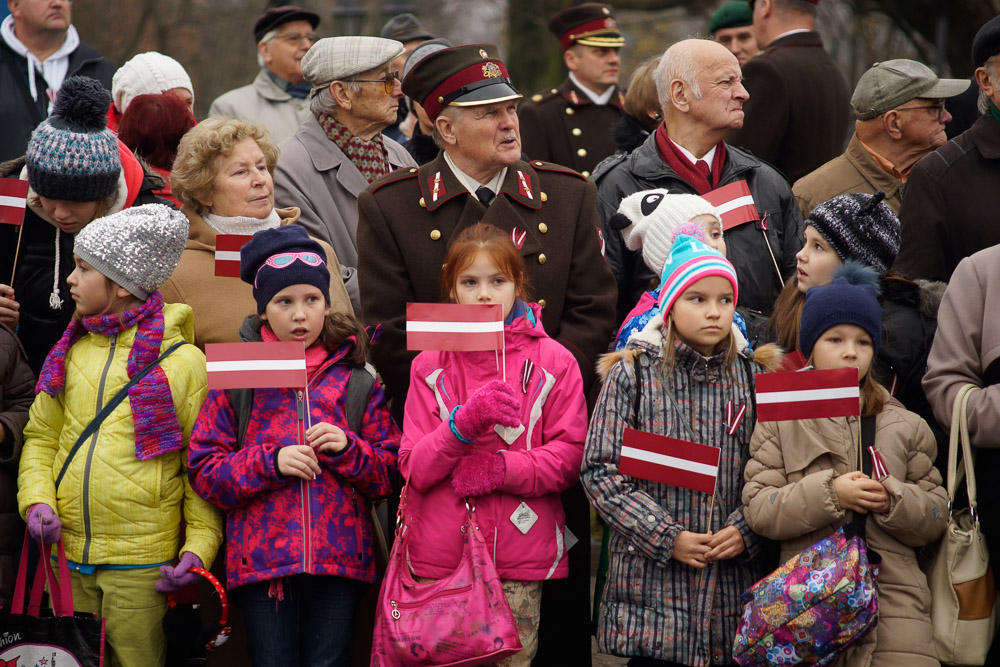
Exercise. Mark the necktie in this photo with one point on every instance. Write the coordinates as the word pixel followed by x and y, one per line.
pixel 704 170
pixel 485 195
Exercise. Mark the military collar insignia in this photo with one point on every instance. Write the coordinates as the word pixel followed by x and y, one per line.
pixel 523 188
pixel 436 185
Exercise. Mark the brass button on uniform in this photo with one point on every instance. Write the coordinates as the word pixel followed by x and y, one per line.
pixel 537 97
pixel 577 132
pixel 569 111
pixel 553 90
pixel 545 197
pixel 582 152
pixel 538 164
pixel 413 170
pixel 542 227
pixel 542 258
pixel 423 203
pixel 586 174
pixel 541 302
pixel 435 235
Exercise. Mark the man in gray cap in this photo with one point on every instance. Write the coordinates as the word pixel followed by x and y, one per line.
pixel 407 29
pixel 949 207
pixel 277 97
pixel 900 117
pixel 339 149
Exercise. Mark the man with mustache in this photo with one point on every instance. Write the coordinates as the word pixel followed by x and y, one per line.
pixel 408 218
pixel 571 125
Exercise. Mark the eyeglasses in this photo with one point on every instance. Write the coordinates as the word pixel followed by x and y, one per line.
pixel 285 259
pixel 939 107
pixel 388 83
pixel 297 37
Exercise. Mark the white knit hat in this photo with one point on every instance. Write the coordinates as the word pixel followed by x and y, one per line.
pixel 648 220
pixel 148 73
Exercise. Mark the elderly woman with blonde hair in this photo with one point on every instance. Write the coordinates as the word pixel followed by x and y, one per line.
pixel 223 177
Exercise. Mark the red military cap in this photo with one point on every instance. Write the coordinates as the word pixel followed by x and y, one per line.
pixel 590 24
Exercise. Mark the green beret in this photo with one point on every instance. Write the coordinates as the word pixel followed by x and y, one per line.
pixel 733 14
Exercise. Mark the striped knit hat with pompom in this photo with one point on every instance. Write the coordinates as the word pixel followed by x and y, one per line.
pixel 689 261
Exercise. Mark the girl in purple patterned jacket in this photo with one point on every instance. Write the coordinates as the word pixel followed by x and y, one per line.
pixel 297 490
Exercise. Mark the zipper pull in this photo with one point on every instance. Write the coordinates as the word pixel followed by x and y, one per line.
pixel 300 406
pixel 395 610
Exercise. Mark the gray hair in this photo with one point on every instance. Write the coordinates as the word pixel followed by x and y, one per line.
pixel 268 37
pixel 322 101
pixel 676 63
pixel 992 66
pixel 453 114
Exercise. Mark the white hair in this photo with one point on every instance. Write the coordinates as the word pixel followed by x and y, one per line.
pixel 322 101
pixel 267 38
pixel 992 66
pixel 676 63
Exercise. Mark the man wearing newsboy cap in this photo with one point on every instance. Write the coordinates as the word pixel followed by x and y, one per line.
pixel 949 205
pixel 408 218
pixel 277 97
pixel 339 149
pixel 899 117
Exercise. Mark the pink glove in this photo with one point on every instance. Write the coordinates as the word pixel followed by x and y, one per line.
pixel 179 576
pixel 493 403
pixel 477 473
pixel 43 524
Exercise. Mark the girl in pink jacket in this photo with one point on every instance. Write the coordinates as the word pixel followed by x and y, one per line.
pixel 511 446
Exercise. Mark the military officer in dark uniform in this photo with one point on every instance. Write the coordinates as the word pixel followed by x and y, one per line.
pixel 407 219
pixel 571 125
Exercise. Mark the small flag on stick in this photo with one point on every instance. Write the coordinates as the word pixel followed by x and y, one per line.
pixel 452 326
pixel 227 254
pixel 13 200
pixel 256 365
pixel 879 471
pixel 735 204
pixel 808 395
pixel 658 458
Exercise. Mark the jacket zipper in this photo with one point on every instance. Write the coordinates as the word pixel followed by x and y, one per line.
pixel 418 603
pixel 304 484
pixel 90 453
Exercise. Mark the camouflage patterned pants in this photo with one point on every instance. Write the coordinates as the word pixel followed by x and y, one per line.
pixel 525 600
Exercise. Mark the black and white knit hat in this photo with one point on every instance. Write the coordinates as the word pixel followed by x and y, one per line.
pixel 72 154
pixel 861 227
pixel 138 248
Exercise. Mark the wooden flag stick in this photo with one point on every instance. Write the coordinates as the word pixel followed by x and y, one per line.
pixel 773 260
pixel 711 512
pixel 17 251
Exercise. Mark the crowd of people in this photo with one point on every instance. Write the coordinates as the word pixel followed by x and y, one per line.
pixel 373 172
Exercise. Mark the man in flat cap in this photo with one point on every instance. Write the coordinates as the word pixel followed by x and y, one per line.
pixel 797 115
pixel 949 205
pixel 732 26
pixel 277 97
pixel 339 149
pixel 408 218
pixel 900 117
pixel 571 125
pixel 408 30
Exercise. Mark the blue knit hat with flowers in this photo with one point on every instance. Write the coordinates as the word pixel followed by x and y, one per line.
pixel 689 261
pixel 276 258
pixel 72 155
pixel 850 299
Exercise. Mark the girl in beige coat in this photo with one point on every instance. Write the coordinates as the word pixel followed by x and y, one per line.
pixel 804 482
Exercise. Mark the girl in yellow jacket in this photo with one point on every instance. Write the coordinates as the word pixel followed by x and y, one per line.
pixel 116 496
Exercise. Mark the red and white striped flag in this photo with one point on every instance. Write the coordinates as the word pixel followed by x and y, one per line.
pixel 227 254
pixel 658 458
pixel 808 395
pixel 453 326
pixel 256 365
pixel 735 204
pixel 879 471
pixel 13 200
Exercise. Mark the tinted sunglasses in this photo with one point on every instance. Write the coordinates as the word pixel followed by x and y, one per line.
pixel 388 83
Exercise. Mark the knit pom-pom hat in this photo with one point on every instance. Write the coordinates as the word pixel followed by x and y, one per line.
pixel 276 258
pixel 650 219
pixel 852 298
pixel 689 261
pixel 859 226
pixel 72 155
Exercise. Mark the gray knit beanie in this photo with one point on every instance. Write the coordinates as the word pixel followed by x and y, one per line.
pixel 138 248
pixel 72 155
pixel 859 226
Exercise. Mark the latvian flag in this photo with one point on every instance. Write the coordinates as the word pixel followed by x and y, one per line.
pixel 452 326
pixel 735 204
pixel 256 365
pixel 227 254
pixel 808 395
pixel 879 471
pixel 13 200
pixel 658 458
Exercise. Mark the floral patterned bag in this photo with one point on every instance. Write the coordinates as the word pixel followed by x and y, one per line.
pixel 816 604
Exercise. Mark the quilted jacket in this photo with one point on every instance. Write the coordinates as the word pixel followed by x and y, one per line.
pixel 542 455
pixel 277 526
pixel 114 508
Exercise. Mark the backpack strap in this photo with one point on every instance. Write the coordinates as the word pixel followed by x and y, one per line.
pixel 637 400
pixel 859 520
pixel 242 402
pixel 110 406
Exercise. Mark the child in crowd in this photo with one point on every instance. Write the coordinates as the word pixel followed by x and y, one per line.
pixel 652 219
pixel 510 445
pixel 17 391
pixel 804 479
pixel 679 559
pixel 118 500
pixel 297 486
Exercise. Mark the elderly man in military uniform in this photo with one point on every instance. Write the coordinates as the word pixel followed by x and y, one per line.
pixel 571 125
pixel 407 219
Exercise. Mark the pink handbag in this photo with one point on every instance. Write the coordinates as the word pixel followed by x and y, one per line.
pixel 461 620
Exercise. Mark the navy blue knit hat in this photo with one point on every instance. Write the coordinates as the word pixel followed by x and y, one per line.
pixel 72 155
pixel 850 299
pixel 276 258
